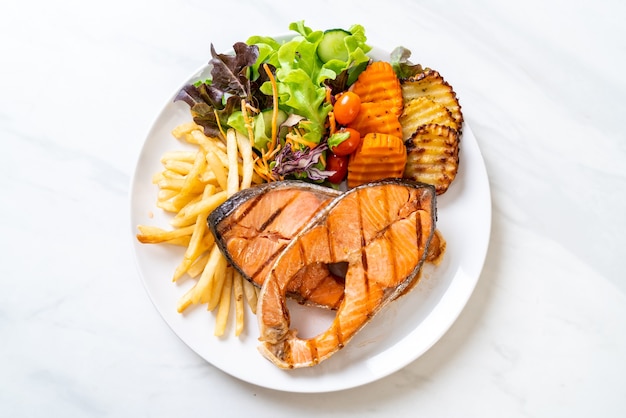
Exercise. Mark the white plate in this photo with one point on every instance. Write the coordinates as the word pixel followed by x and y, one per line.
pixel 397 336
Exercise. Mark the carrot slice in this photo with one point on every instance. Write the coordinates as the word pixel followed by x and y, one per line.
pixel 379 156
pixel 379 83
pixel 381 100
pixel 377 117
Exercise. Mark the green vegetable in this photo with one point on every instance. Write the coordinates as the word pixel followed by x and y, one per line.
pixel 213 101
pixel 337 138
pixel 302 69
pixel 301 75
pixel 403 68
pixel 333 46
pixel 262 126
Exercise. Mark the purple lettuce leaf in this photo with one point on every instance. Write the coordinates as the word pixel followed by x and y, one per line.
pixel 213 101
pixel 301 163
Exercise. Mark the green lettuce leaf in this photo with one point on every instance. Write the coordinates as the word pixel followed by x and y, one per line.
pixel 399 60
pixel 301 77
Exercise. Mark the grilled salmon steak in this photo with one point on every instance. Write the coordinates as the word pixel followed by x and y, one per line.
pixel 382 230
pixel 255 225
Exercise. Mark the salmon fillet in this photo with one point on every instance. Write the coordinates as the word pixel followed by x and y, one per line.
pixel 382 230
pixel 256 225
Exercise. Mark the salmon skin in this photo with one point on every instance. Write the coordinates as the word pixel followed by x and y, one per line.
pixel 382 230
pixel 255 225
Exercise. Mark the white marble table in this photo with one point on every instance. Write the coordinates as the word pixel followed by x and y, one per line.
pixel 542 86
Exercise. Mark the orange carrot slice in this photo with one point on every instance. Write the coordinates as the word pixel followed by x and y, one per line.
pixel 377 117
pixel 379 83
pixel 378 157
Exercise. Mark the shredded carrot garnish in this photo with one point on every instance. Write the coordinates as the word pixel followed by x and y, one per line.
pixel 262 164
pixel 219 124
pixel 328 95
pixel 333 125
pixel 272 143
pixel 248 121
pixel 298 139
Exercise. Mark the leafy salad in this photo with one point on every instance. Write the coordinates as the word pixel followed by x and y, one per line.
pixel 281 94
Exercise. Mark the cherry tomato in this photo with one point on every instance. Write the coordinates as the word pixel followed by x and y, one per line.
pixel 347 107
pixel 338 164
pixel 349 145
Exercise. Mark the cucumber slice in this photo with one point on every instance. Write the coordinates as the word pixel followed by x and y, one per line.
pixel 332 45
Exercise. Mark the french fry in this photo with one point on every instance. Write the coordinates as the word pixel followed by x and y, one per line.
pixel 194 136
pixel 233 165
pixel 210 145
pixel 198 265
pixel 251 293
pixel 194 249
pixel 175 184
pixel 208 177
pixel 206 279
pixel 238 296
pixel 154 235
pixel 188 215
pixel 173 175
pixel 248 163
pixel 185 301
pixel 167 206
pixel 221 319
pixel 182 156
pixel 218 169
pixel 181 242
pixel 219 279
pixel 191 185
pixel 181 130
pixel 165 194
pixel 181 167
pixel 157 177
pixel 170 206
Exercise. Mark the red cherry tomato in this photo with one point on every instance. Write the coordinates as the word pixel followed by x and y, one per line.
pixel 349 145
pixel 347 107
pixel 338 164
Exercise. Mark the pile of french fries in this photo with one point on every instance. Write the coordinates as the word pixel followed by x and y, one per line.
pixel 191 185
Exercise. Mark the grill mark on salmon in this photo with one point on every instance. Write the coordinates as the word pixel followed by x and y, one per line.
pixel 255 225
pixel 261 232
pixel 384 246
pixel 364 262
pixel 275 215
pixel 266 264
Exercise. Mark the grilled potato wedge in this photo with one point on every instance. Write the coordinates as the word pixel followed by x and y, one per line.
pixel 424 111
pixel 433 156
pixel 430 84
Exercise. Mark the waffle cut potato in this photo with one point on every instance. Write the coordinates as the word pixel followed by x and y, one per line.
pixel 431 128
pixel 431 85
pixel 424 111
pixel 433 156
